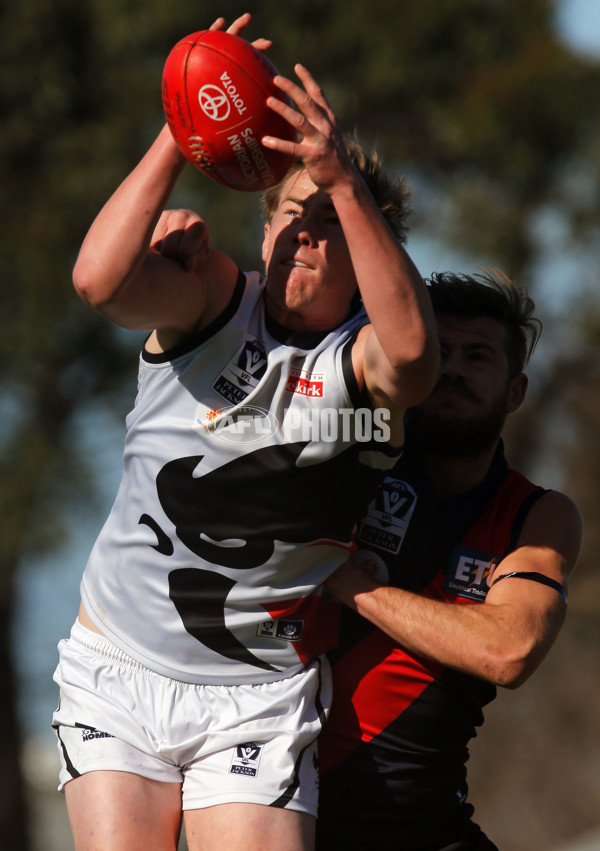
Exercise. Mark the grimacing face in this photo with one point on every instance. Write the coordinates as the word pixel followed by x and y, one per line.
pixel 310 277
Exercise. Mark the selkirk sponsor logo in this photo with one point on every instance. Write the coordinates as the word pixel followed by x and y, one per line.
pixel 305 385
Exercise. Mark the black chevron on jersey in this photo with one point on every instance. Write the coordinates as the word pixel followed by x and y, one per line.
pixel 235 501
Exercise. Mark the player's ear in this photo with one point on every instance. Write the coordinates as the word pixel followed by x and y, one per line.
pixel 517 390
pixel 266 242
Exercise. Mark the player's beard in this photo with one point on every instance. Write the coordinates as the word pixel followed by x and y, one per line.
pixel 452 435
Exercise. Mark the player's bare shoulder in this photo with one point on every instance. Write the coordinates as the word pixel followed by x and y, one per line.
pixel 215 282
pixel 554 521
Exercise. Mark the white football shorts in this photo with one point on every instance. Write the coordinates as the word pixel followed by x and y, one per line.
pixel 244 743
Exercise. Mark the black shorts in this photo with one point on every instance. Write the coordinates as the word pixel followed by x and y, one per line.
pixel 470 838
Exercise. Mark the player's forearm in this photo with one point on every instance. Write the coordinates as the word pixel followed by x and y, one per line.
pixel 393 292
pixel 488 641
pixel 117 242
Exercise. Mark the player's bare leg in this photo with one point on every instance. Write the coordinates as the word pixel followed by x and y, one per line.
pixel 119 811
pixel 248 827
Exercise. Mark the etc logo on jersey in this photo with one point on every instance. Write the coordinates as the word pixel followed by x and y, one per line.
pixel 468 573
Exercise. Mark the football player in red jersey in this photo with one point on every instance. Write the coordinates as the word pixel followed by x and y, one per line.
pixel 459 585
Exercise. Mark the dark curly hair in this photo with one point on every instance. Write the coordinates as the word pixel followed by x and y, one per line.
pixel 490 293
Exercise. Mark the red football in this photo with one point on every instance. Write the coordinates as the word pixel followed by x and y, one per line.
pixel 215 87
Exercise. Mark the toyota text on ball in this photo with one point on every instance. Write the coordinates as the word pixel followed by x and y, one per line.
pixel 214 103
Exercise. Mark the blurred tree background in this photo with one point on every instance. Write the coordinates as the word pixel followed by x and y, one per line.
pixel 496 124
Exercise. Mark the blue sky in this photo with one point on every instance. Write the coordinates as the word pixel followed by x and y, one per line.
pixel 578 22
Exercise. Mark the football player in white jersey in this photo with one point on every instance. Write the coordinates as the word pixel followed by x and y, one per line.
pixel 178 686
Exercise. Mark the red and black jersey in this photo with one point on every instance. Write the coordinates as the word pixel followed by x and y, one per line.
pixel 393 755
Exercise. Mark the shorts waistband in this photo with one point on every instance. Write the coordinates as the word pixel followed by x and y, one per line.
pixel 102 646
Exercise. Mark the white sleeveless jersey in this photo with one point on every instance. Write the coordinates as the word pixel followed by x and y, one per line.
pixel 244 470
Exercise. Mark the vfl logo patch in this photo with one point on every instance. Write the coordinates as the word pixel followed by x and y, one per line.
pixel 305 384
pixel 243 373
pixel 388 516
pixel 468 573
pixel 246 759
pixel 287 630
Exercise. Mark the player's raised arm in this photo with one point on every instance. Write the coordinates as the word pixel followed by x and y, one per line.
pixel 133 274
pixel 397 356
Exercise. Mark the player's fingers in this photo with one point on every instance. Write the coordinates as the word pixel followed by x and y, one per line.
pixel 219 24
pixel 168 246
pixel 188 256
pixel 282 145
pixel 307 114
pixel 310 96
pixel 194 237
pixel 240 24
pixel 311 86
pixel 194 262
pixel 171 220
pixel 262 43
pixel 291 115
pixel 315 110
pixel 161 228
pixel 237 28
pixel 291 89
pixel 296 120
pixel 180 234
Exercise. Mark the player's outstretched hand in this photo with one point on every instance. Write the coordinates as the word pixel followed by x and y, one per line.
pixel 321 147
pixel 238 27
pixel 183 236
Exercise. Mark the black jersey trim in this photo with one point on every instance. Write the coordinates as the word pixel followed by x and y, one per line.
pixel 534 576
pixel 196 338
pixel 358 397
pixel 304 339
pixel 298 339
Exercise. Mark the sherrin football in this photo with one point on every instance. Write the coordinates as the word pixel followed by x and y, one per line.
pixel 215 87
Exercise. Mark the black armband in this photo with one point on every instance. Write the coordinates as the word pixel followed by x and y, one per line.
pixel 535 577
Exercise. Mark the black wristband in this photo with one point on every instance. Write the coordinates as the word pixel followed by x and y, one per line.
pixel 535 577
